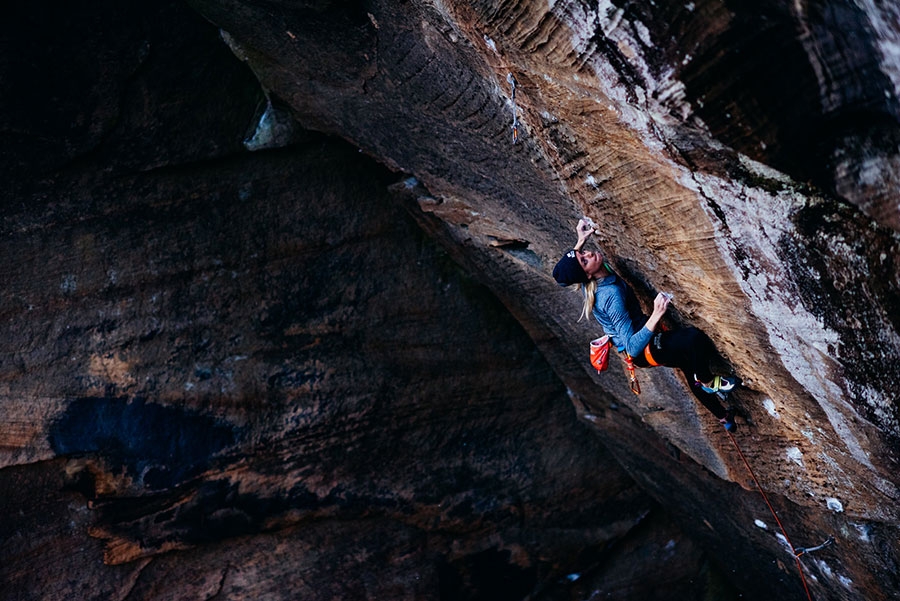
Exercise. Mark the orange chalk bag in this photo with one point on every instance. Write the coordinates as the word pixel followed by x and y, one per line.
pixel 600 353
pixel 600 361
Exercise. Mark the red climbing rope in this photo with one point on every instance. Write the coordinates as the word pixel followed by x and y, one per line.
pixel 775 515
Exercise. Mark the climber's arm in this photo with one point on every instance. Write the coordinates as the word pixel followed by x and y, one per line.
pixel 584 230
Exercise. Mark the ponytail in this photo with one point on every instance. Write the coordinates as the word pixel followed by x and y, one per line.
pixel 589 292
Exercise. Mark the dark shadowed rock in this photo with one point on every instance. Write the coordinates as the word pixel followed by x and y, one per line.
pixel 244 359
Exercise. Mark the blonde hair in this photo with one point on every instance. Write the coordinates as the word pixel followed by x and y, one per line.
pixel 589 291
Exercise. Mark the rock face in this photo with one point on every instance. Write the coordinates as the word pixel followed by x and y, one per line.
pixel 235 368
pixel 245 375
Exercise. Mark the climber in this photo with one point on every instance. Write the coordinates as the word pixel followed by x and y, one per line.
pixel 615 307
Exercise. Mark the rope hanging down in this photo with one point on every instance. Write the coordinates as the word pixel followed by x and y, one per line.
pixel 797 552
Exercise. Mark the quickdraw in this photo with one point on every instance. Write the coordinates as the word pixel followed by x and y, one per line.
pixel 804 550
pixel 797 551
pixel 632 376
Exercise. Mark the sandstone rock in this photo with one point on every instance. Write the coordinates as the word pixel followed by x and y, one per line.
pixel 245 376
pixel 717 145
pixel 249 376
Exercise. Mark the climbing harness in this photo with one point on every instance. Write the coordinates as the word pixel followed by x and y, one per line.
pixel 796 551
pixel 515 124
pixel 649 357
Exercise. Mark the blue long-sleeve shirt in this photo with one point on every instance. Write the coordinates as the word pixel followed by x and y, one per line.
pixel 618 312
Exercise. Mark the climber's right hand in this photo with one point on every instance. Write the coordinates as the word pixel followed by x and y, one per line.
pixel 661 303
pixel 584 229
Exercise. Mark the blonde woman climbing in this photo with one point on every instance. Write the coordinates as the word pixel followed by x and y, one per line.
pixel 613 304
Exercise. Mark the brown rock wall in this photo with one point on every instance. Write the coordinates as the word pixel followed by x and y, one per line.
pixel 272 433
pixel 644 119
pixel 238 374
pixel 235 375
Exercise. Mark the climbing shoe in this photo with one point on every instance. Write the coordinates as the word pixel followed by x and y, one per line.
pixel 728 421
pixel 718 384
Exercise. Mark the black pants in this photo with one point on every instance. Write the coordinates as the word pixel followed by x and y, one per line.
pixel 690 351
